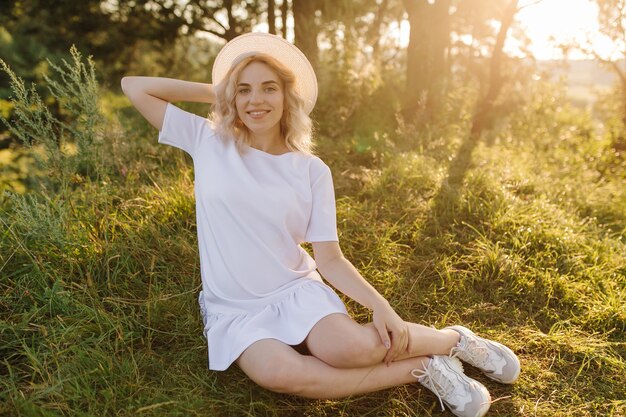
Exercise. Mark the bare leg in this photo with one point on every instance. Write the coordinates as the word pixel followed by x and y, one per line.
pixel 278 367
pixel 343 343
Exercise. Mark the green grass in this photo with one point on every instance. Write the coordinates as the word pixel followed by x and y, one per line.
pixel 520 237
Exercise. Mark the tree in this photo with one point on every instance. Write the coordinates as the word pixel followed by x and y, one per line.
pixel 306 28
pixel 429 40
pixel 225 19
pixel 271 16
pixel 108 33
pixel 486 103
pixel 612 21
pixel 355 54
pixel 111 31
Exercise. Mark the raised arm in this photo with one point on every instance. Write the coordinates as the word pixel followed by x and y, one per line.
pixel 150 95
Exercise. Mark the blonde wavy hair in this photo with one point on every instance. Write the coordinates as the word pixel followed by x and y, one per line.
pixel 296 126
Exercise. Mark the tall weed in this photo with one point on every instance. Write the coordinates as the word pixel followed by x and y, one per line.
pixel 67 147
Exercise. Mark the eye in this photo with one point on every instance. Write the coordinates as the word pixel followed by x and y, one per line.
pixel 270 89
pixel 243 91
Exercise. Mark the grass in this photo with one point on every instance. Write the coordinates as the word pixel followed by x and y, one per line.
pixel 520 237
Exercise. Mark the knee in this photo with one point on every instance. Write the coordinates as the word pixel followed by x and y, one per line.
pixel 370 351
pixel 360 352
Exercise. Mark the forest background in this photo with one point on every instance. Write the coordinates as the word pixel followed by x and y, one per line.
pixel 473 186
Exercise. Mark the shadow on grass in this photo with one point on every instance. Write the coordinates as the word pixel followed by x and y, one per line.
pixel 442 210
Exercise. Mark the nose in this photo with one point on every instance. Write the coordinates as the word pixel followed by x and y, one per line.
pixel 256 97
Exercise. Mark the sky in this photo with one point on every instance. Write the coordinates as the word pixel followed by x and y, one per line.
pixel 552 21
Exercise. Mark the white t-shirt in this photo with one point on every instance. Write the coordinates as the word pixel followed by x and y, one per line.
pixel 253 211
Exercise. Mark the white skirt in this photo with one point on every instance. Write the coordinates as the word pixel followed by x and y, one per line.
pixel 289 320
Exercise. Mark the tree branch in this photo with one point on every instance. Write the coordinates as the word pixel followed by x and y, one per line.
pixel 529 4
pixel 211 31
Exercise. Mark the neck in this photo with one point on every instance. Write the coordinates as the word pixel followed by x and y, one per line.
pixel 268 141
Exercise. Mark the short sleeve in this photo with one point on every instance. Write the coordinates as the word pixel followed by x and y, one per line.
pixel 183 130
pixel 323 222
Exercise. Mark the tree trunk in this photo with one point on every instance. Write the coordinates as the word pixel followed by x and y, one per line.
pixel 416 51
pixel 230 32
pixel 306 29
pixel 429 38
pixel 284 9
pixel 375 32
pixel 440 31
pixel 485 106
pixel 271 17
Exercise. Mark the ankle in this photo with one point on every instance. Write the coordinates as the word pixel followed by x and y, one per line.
pixel 422 362
pixel 452 338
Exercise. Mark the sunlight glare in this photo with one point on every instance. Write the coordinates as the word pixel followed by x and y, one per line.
pixel 547 24
pixel 553 22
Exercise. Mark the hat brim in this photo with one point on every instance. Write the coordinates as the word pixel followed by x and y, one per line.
pixel 278 48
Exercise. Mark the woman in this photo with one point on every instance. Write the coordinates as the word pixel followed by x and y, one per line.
pixel 260 193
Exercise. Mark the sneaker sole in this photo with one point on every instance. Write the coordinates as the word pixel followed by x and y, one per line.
pixel 485 407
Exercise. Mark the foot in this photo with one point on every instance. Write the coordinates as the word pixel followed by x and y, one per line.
pixel 496 361
pixel 464 396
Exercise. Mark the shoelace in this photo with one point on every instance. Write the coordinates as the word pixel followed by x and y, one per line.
pixel 441 387
pixel 478 353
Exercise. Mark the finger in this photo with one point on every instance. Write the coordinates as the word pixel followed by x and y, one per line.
pixel 398 345
pixel 405 342
pixel 384 336
pixel 388 357
pixel 408 341
pixel 389 354
pixel 401 343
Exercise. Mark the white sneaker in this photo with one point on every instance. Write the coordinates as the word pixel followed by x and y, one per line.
pixel 496 361
pixel 464 396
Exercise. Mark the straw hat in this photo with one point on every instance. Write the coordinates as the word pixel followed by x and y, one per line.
pixel 278 48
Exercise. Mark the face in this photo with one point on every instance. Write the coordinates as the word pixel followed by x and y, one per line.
pixel 259 99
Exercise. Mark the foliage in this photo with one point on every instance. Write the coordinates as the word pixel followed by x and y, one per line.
pixel 612 21
pixel 24 60
pixel 613 156
pixel 64 161
pixel 107 30
pixel 612 24
pixel 188 59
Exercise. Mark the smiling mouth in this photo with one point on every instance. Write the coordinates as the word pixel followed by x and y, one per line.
pixel 258 113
